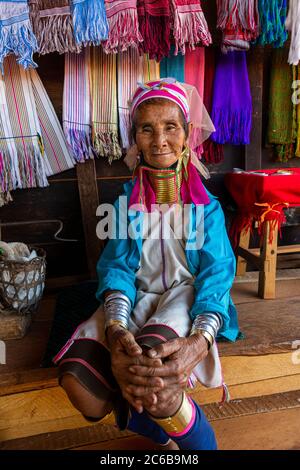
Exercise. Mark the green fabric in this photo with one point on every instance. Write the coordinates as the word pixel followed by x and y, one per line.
pixel 282 112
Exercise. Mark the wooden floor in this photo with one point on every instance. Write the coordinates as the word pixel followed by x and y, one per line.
pixel 262 372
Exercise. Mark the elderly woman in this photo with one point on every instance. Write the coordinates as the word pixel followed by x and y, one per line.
pixel 164 298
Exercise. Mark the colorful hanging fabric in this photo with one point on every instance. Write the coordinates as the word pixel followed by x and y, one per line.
pixel 22 163
pixel 151 69
pixel 57 154
pixel 232 104
pixel 292 24
pixel 52 25
pixel 104 104
pixel 190 26
pixel 16 35
pixel 173 66
pixel 130 72
pixel 89 21
pixel 272 16
pixel 212 151
pixel 77 105
pixel 154 20
pixel 123 26
pixel 239 22
pixel 281 126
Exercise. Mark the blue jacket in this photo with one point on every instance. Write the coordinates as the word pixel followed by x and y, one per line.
pixel 213 265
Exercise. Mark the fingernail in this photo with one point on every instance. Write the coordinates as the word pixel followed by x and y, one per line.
pixel 152 353
pixel 132 370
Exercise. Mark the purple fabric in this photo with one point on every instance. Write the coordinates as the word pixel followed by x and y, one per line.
pixel 232 102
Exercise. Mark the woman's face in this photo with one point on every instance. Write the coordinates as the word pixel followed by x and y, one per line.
pixel 160 135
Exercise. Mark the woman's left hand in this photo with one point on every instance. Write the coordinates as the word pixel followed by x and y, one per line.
pixel 180 356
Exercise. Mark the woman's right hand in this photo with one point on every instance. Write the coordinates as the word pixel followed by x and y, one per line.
pixel 125 352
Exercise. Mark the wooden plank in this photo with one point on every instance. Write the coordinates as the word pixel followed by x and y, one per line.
pixel 89 201
pixel 267 274
pixel 24 381
pixel 242 262
pixel 280 249
pixel 269 327
pixel 249 256
pixel 13 325
pixel 253 153
pixel 246 292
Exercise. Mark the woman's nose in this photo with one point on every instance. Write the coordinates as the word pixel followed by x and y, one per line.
pixel 159 139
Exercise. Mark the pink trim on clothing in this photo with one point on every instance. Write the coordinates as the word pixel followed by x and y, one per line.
pixel 189 426
pixel 153 335
pixel 91 369
pixel 162 324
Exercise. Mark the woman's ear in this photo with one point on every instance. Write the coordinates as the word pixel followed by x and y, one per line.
pixel 190 128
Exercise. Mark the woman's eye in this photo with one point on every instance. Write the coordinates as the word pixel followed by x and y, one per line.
pixel 147 130
pixel 171 128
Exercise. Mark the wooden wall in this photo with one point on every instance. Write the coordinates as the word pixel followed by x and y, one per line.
pixel 70 191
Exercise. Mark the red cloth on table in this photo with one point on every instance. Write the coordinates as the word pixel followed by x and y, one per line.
pixel 262 198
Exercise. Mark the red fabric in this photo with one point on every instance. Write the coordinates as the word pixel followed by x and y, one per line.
pixel 262 198
pixel 154 22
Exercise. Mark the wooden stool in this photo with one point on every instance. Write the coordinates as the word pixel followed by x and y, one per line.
pixel 264 258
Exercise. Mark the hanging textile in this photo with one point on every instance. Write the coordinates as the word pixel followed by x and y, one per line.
pixel 16 35
pixel 154 20
pixel 77 105
pixel 104 104
pixel 232 104
pixel 22 163
pixel 239 22
pixel 123 25
pixel 272 16
pixel 53 26
pixel 173 66
pixel 89 21
pixel 151 69
pixel 212 151
pixel 292 24
pixel 282 111
pixel 57 155
pixel 190 26
pixel 130 72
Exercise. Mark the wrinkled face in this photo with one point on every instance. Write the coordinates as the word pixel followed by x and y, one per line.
pixel 160 134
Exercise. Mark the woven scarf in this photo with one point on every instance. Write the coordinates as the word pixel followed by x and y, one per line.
pixel 173 66
pixel 21 149
pixel 77 106
pixel 272 16
pixel 212 151
pixel 104 104
pixel 239 22
pixel 190 26
pixel 154 20
pixel 130 72
pixel 57 154
pixel 123 25
pixel 89 21
pixel 52 26
pixel 232 105
pixel 16 36
pixel 181 185
pixel 292 24
pixel 281 126
pixel 151 69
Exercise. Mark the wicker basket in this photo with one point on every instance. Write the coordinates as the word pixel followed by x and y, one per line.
pixel 22 283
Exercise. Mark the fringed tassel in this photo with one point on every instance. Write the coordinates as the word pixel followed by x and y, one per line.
pixel 155 32
pixel 225 395
pixel 90 22
pixel 190 28
pixel 106 144
pixel 55 34
pixel 124 126
pixel 18 39
pixel 213 152
pixel 5 198
pixel 80 143
pixel 123 31
pixel 232 126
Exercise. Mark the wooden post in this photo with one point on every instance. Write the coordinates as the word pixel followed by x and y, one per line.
pixel 244 243
pixel 255 69
pixel 89 200
pixel 267 274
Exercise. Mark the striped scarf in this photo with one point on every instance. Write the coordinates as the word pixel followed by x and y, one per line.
pixel 77 106
pixel 190 26
pixel 16 36
pixel 57 154
pixel 52 25
pixel 89 20
pixel 123 25
pixel 154 20
pixel 151 69
pixel 173 66
pixel 292 24
pixel 239 22
pixel 21 150
pixel 104 104
pixel 130 71
pixel 272 16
